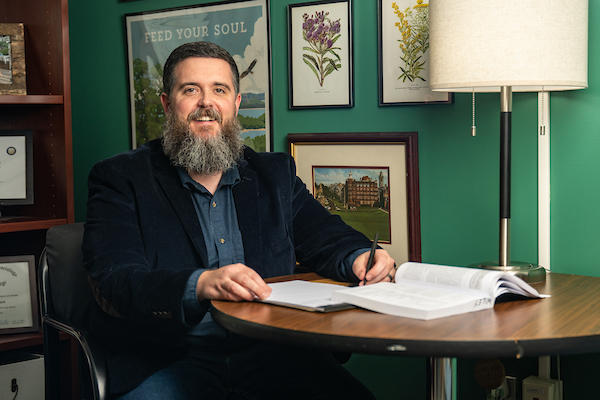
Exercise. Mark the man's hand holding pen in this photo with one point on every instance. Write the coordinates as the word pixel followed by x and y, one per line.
pixel 382 268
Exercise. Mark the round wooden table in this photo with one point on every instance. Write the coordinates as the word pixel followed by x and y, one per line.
pixel 568 322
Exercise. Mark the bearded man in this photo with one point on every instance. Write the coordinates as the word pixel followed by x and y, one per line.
pixel 197 216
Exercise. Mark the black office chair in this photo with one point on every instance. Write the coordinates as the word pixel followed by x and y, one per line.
pixel 65 297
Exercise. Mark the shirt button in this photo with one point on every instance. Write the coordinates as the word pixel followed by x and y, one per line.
pixel 214 204
pixel 222 240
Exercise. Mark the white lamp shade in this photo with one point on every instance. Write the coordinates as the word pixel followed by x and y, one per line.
pixel 531 45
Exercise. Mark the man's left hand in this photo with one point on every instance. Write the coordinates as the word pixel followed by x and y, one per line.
pixel 383 269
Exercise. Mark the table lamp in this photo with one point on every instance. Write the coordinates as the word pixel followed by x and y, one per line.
pixel 508 46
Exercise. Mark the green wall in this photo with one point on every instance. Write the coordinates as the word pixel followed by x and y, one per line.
pixel 458 173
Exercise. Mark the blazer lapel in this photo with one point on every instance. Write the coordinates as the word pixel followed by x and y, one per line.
pixel 245 195
pixel 181 201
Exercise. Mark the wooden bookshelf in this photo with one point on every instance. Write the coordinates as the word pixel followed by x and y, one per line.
pixel 46 110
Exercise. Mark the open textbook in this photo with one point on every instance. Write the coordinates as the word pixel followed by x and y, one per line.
pixel 427 291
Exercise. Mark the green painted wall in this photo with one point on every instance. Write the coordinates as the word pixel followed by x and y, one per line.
pixel 458 173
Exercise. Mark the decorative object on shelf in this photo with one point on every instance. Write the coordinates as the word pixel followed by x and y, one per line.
pixel 16 167
pixel 371 180
pixel 505 46
pixel 320 54
pixel 403 53
pixel 12 59
pixel 18 295
pixel 240 27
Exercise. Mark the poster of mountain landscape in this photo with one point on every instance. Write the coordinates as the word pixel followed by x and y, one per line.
pixel 238 26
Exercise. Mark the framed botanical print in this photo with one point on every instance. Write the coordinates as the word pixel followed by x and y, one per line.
pixel 320 54
pixel 403 30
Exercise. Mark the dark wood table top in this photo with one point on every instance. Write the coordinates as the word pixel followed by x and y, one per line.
pixel 566 323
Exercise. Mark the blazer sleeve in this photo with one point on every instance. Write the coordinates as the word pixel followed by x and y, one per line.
pixel 131 278
pixel 287 224
pixel 322 240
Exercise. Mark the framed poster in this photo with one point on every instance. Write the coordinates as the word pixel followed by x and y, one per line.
pixel 320 54
pixel 240 27
pixel 12 59
pixel 403 30
pixel 18 295
pixel 371 180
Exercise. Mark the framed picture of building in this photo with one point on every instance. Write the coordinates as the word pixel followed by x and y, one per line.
pixel 370 180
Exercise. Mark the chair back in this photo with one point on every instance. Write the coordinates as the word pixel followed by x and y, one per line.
pixel 65 291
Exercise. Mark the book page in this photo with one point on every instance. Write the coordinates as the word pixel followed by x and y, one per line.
pixel 512 284
pixel 410 300
pixel 494 283
pixel 421 297
pixel 458 277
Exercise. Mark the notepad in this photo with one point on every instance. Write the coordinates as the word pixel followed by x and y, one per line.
pixel 305 295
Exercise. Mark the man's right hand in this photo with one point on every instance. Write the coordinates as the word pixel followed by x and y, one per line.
pixel 234 282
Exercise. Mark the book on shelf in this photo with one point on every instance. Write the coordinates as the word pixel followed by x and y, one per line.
pixel 428 291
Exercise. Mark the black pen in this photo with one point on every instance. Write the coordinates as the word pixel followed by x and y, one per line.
pixel 371 256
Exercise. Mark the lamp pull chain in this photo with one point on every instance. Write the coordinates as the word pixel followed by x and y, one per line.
pixel 542 124
pixel 473 128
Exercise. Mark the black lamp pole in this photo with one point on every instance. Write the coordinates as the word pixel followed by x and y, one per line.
pixel 526 271
pixel 505 173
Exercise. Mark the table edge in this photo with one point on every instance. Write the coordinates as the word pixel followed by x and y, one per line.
pixel 407 348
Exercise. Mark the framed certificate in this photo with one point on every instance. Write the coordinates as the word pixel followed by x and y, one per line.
pixel 16 167
pixel 18 295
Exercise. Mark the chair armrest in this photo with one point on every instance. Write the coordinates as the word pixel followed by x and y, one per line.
pixel 92 351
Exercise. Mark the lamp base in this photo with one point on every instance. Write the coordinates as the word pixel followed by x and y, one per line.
pixel 530 273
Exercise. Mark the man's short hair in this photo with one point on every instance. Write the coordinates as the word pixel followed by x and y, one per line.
pixel 197 49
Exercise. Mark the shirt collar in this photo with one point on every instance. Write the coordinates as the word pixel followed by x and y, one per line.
pixel 231 177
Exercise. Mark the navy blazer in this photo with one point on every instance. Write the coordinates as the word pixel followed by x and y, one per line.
pixel 143 241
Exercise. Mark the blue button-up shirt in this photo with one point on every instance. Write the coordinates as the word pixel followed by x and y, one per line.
pixel 217 217
pixel 218 220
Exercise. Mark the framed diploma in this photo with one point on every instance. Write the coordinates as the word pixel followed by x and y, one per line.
pixel 18 295
pixel 16 167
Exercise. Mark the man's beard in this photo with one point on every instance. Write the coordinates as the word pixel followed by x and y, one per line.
pixel 195 153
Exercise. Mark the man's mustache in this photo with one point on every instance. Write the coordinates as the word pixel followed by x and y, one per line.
pixel 199 113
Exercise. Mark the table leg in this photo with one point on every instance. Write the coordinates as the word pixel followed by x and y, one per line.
pixel 440 378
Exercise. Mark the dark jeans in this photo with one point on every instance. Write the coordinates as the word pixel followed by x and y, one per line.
pixel 252 371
